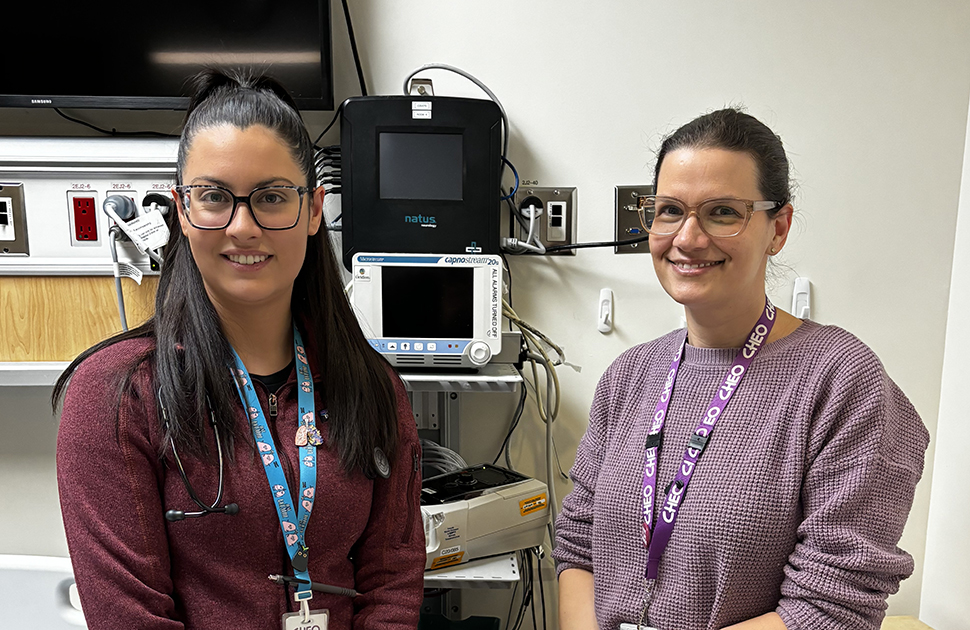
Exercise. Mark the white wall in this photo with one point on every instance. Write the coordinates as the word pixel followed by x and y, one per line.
pixel 870 98
pixel 946 577
pixel 30 516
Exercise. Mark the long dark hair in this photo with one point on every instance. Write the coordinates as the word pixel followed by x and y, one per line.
pixel 733 130
pixel 191 357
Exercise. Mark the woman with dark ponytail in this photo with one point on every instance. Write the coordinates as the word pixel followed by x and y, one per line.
pixel 193 449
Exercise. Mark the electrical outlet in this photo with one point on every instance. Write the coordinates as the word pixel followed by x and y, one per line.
pixel 555 221
pixel 628 218
pixel 85 218
pixel 13 221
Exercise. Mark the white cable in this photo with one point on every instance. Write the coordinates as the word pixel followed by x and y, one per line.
pixel 112 238
pixel 532 222
pixel 551 418
pixel 491 95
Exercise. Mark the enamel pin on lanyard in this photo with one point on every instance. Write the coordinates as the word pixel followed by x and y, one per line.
pixel 656 537
pixel 293 522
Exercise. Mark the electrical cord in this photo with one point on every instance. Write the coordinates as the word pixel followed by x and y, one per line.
pixel 548 412
pixel 336 115
pixel 561 248
pixel 113 131
pixel 531 242
pixel 484 88
pixel 516 416
pixel 542 591
pixel 515 189
pixel 353 48
pixel 113 234
pixel 360 71
pixel 549 420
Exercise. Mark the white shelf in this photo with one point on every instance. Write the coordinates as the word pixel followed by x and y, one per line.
pixel 498 377
pixel 493 377
pixel 497 572
pixel 30 373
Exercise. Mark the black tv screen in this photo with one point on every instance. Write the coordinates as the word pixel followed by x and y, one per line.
pixel 114 54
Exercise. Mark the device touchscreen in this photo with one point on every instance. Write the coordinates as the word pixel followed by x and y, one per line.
pixel 428 302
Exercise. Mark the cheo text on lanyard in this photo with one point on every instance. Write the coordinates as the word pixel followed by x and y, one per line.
pixel 657 539
pixel 292 522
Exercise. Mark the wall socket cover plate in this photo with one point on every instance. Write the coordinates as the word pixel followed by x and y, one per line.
pixel 627 219
pixel 563 206
pixel 13 235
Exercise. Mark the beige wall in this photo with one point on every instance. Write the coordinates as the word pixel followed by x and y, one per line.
pixel 946 580
pixel 870 98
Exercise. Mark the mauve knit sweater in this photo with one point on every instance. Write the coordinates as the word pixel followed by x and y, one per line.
pixel 796 505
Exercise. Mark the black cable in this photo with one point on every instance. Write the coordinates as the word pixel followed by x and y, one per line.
pixel 526 591
pixel 113 131
pixel 508 617
pixel 542 592
pixel 560 248
pixel 514 423
pixel 353 47
pixel 332 121
pixel 532 587
pixel 555 450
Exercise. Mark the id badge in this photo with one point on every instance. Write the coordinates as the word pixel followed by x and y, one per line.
pixel 316 621
pixel 633 626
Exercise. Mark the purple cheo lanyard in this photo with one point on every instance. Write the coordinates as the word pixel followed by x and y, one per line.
pixel 656 541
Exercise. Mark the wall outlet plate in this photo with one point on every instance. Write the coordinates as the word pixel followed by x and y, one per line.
pixel 627 221
pixel 556 223
pixel 83 209
pixel 13 221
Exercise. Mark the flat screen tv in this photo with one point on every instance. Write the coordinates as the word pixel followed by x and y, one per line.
pixel 114 54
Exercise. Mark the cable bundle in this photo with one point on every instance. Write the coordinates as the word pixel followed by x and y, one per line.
pixel 439 458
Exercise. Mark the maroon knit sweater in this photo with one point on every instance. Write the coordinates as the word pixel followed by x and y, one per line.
pixel 796 505
pixel 134 569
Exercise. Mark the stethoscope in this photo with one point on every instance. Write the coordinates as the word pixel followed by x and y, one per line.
pixel 179 515
pixel 382 465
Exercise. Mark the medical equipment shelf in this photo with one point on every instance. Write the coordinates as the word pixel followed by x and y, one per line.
pixel 492 377
pixel 30 373
pixel 499 377
pixel 498 572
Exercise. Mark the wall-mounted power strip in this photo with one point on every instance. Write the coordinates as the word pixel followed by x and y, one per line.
pixel 51 191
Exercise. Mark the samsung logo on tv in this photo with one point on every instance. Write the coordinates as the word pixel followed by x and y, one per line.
pixel 424 221
pixel 41 101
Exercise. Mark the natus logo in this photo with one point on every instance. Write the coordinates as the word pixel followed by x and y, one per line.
pixel 420 219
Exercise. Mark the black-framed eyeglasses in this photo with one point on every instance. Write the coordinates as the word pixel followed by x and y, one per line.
pixel 721 218
pixel 214 207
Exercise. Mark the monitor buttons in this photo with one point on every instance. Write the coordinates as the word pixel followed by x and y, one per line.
pixel 405 345
pixel 392 345
pixel 432 346
pixel 418 346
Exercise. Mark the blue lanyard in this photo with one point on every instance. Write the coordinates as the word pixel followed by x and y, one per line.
pixel 293 532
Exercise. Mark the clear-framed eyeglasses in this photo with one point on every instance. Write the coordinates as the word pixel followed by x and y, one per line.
pixel 721 218
pixel 213 207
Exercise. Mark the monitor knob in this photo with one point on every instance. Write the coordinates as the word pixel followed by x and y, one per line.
pixel 479 352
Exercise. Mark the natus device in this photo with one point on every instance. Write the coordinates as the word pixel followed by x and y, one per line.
pixel 430 310
pixel 420 175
